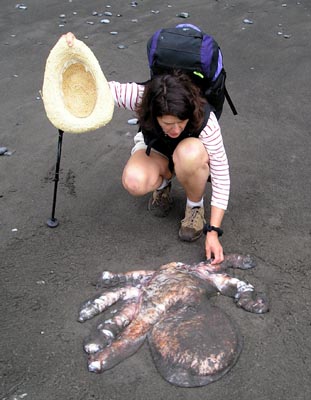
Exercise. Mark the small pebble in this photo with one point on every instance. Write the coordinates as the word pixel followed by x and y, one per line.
pixel 90 22
pixel 132 121
pixel 248 21
pixel 105 21
pixel 21 6
pixel 3 150
pixel 122 46
pixel 108 13
pixel 183 15
pixel 287 36
pixel 114 33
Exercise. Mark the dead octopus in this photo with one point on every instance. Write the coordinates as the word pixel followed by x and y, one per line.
pixel 192 342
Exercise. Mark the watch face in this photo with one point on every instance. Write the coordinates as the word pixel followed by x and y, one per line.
pixel 209 228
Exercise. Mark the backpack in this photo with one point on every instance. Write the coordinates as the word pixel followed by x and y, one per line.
pixel 190 50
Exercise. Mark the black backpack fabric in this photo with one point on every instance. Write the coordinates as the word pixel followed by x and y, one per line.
pixel 189 49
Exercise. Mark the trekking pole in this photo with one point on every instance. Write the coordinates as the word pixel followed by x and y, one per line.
pixel 53 222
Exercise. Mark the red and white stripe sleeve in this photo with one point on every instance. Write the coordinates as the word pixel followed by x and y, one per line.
pixel 126 95
pixel 219 168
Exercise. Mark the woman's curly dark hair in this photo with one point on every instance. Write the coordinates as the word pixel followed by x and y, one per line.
pixel 171 94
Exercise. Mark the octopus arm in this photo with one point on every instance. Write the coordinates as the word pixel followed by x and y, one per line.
pixel 109 329
pixel 133 278
pixel 238 261
pixel 244 293
pixel 123 347
pixel 103 301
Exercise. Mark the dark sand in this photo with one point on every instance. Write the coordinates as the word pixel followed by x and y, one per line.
pixel 46 273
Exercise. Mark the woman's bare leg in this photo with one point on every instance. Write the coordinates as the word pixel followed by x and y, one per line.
pixel 143 174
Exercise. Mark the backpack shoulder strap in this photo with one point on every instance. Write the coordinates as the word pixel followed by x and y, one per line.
pixel 230 102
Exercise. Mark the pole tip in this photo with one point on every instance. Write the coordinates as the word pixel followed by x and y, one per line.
pixel 52 222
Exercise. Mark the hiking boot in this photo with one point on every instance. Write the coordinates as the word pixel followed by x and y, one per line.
pixel 192 225
pixel 161 202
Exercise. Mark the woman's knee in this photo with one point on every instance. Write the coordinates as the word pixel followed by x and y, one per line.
pixel 190 154
pixel 134 180
pixel 143 174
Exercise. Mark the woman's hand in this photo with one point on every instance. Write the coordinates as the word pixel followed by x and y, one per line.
pixel 213 248
pixel 70 38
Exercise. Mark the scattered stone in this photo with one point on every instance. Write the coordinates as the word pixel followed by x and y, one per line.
pixel 3 150
pixel 105 21
pixel 183 15
pixel 132 121
pixel 21 6
pixel 114 33
pixel 122 46
pixel 108 13
pixel 248 21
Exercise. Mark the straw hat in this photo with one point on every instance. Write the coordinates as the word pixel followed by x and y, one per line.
pixel 75 92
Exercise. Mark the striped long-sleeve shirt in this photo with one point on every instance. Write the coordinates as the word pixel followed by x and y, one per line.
pixel 128 95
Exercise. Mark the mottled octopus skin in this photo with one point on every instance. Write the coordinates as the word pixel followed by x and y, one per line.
pixel 192 342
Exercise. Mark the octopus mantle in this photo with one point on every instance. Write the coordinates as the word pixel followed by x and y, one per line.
pixel 192 342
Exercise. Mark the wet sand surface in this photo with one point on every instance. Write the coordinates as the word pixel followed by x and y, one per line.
pixel 47 273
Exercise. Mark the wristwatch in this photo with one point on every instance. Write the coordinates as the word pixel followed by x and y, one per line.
pixel 210 228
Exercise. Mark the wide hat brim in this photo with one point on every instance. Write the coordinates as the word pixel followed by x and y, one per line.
pixel 75 92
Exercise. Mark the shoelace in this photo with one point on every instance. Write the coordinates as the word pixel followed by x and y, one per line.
pixel 194 213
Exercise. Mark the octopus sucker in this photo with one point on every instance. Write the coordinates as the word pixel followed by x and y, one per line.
pixel 192 342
